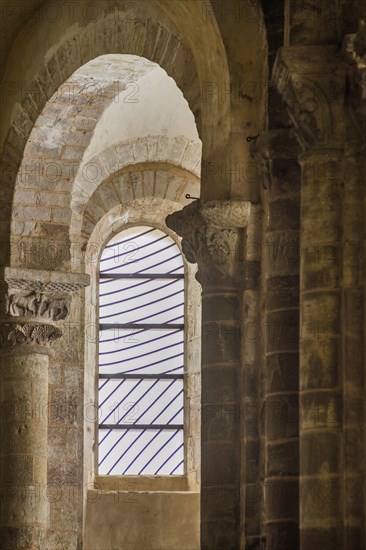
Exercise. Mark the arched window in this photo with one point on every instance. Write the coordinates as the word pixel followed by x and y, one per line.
pixel 141 355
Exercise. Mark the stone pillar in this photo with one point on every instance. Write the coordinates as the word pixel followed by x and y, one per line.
pixel 276 152
pixel 32 303
pixel 321 380
pixel 353 352
pixel 312 82
pixel 251 484
pixel 214 238
pixel 354 314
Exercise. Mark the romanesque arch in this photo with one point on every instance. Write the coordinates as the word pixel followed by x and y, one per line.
pixel 154 36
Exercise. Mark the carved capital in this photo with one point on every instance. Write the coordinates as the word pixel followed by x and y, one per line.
pixel 32 300
pixel 213 237
pixel 275 150
pixel 42 334
pixel 311 80
pixel 354 47
pixel 37 304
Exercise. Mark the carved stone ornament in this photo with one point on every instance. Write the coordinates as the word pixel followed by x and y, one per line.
pixel 311 81
pixel 31 297
pixel 213 234
pixel 36 304
pixel 28 333
pixel 276 145
pixel 354 46
pixel 41 281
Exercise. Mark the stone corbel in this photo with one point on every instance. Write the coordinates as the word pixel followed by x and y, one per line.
pixel 213 234
pixel 32 303
pixel 311 81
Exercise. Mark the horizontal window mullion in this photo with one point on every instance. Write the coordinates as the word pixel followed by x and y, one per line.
pixel 144 326
pixel 141 276
pixel 141 426
pixel 121 376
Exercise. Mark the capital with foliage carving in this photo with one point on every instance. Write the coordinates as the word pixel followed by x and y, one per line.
pixel 213 237
pixel 312 81
pixel 24 332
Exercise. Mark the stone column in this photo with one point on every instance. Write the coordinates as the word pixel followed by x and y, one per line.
pixel 32 303
pixel 312 81
pixel 354 315
pixel 276 152
pixel 214 238
pixel 321 379
pixel 251 484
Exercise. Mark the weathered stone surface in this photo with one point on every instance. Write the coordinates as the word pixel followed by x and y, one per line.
pixel 282 275
pixel 176 514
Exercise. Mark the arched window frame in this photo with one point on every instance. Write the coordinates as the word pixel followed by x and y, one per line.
pixel 134 436
pixel 192 345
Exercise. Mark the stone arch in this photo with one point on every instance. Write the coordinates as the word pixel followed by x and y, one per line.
pixel 61 141
pixel 63 136
pixel 134 169
pixel 152 34
pixel 150 153
pixel 74 46
pixel 137 182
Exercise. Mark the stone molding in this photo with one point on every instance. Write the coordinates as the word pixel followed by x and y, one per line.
pixel 45 281
pixel 32 301
pixel 213 237
pixel 311 81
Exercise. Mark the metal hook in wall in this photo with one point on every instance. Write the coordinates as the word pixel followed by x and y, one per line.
pixel 188 196
pixel 252 138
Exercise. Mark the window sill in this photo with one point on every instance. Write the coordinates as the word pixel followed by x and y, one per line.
pixel 141 483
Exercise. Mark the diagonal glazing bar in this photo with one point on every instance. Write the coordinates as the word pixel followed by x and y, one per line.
pixel 169 458
pixel 143 305
pixel 151 376
pixel 143 258
pixel 135 296
pixel 158 452
pixel 139 235
pixel 129 251
pixel 142 344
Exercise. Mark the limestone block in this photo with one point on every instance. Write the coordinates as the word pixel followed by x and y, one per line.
pixel 170 520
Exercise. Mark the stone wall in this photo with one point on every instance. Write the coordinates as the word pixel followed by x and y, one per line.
pixel 275 223
pixel 155 520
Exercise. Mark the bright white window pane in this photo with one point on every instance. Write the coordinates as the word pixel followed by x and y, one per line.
pixel 134 300
pixel 139 250
pixel 141 415
pixel 134 452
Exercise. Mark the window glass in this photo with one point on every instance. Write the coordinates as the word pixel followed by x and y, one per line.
pixel 141 355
